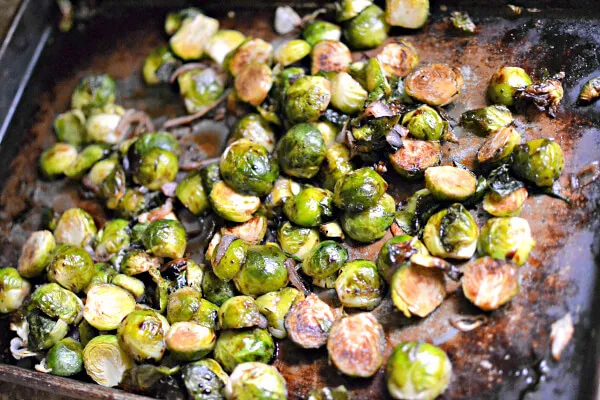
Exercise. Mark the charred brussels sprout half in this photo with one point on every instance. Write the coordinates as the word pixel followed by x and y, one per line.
pixel 498 146
pixel 506 239
pixel 70 127
pixel 65 358
pixel 71 267
pixel 372 223
pixel 104 360
pixel 13 290
pixel 239 312
pixel 204 380
pixel 235 347
pixel 191 193
pixel 248 168
pixel 540 161
pixel 252 50
pixel 359 285
pixel 317 31
pixel 407 14
pixel 255 380
pixel 275 306
pixel 330 56
pixel 291 52
pixel 256 129
pixel 367 30
pixel 137 261
pixel 191 36
pixel 301 151
pixel 398 58
pixel 414 157
pixel 159 66
pixel 94 91
pixel 417 371
pixel 309 321
pixel 336 165
pixel 395 253
pixel 75 227
pixel 487 119
pixel 165 238
pixel 142 335
pixel 490 283
pixel 505 84
pixel 307 98
pixel 417 290
pixel 106 305
pixel 450 183
pixel 297 241
pixel 55 161
pixel 112 238
pixel 35 253
pixel 505 206
pixel 232 205
pixel 424 123
pixel 253 82
pixel 222 43
pixel 325 259
pixel 188 341
pixel 200 88
pixel 347 95
pixel 310 207
pixel 229 257
pixel 360 189
pixel 434 84
pixel 451 233
pixel 263 271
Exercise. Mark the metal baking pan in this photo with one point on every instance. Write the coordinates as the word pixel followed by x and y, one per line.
pixel 506 358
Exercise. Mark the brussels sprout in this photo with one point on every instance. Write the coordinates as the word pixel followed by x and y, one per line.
pixel 301 151
pixel 239 312
pixel 142 335
pixel 275 306
pixel 65 358
pixel 102 170
pixel 332 230
pixel 165 238
pixel 291 52
pixel 188 341
pixel 86 332
pixel 589 91
pixel 337 164
pixel 204 380
pixel 183 304
pixel 153 140
pixel 417 371
pixel 325 393
pixel 368 30
pixel 58 303
pixel 329 131
pixel 70 127
pixel 414 157
pixel 252 231
pixel 487 119
pixel 310 207
pixel 330 56
pixel 506 239
pixel 450 183
pixel 359 190
pixel 297 241
pixel 253 82
pixel 175 19
pixel 490 283
pixel 398 58
pixel 104 273
pixel 505 83
pixel 44 332
pixel 189 40
pixel 229 257
pixel 434 84
pixel 137 261
pixel 222 43
pixel 235 347
pixel 94 91
pixel 191 193
pixel 407 14
pixel 356 344
pixel 57 159
pixel 215 290
pixel 424 123
pixel 325 259
pixel 144 377
pixel 451 233
pixel 252 50
pixel 35 253
pixel 391 257
pixel 505 206
pixel 317 31
pixel 309 321
pixel 348 9
pixel 113 187
pixel 102 127
pixel 156 167
pixel 200 88
pixel 106 305
pixel 540 161
pixel 307 98
pixel 375 81
pixel 112 238
pixel 359 285
pixel 346 94
pixel 104 360
pixel 85 160
pixel 417 290
pixel 13 290
pixel 369 137
pixel 283 189
pixel 498 146
pixel 159 65
pixel 256 129
pixel 255 380
pixel 262 272
pixel 231 205
pixel 71 267
pixel 135 286
pixel 372 223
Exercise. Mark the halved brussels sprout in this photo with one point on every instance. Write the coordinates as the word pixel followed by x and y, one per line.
pixel 222 43
pixel 359 190
pixel 133 285
pixel 65 358
pixel 307 98
pixel 215 290
pixel 86 332
pixel 309 321
pixel 232 205
pixel 348 9
pixel 235 347
pixel 505 206
pixel 44 332
pixel 275 306
pixel 144 377
pixel 165 238
pixel 336 165
pixel 239 312
pixel 415 157
pixel 102 127
pixel 156 167
pixel 106 305
pixel 434 84
pixel 94 91
pixel 229 257
pixel 104 360
pixel 104 273
pixel 395 254
pixel 253 82
pixel 102 170
pixel 356 344
pixel 57 303
pixel 330 56
pixel 142 335
pixel 296 241
pixel 263 271
pixel 112 189
pixel 159 66
pixel 375 81
pixel 175 19
pixel 200 88
pixel 451 233
pixel 424 123
pixel 325 259
pixel 368 30
pixel 137 261
pixel 112 238
pixel 310 207
pixel 506 238
pixel 190 38
pixel 317 31
pixel 407 14
pixel 257 381
pixel 490 283
pixel 204 380
pixel 450 183
pixel 540 161
pixel 505 83
pixel 347 95
pixel 85 160
pixel 329 132
pixel 332 230
pixel 71 267
pixel 282 190
pixel 498 146
pixel 487 119
pixel 188 341
pixel 35 253
pixel 183 304
pixel 191 193
pixel 13 290
pixel 291 52
pixel 359 285
pixel 398 58
pixel 371 224
pixel 252 50
pixel 256 129
pixel 56 160
pixel 252 231
pixel 417 290
pixel 70 127
pixel 418 371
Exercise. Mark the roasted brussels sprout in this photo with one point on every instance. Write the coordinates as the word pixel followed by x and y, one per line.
pixel 434 84
pixel 317 31
pixel 112 238
pixel 291 52
pixel 359 285
pixel 204 380
pixel 347 95
pixel 371 224
pixel 417 290
pixel 153 140
pixel 462 22
pixel 414 157
pixel 326 393
pixel 255 380
pixel 506 239
pixel 336 165
pixel 75 227
pixel 498 146
pixel 200 88
pixel 505 206
pixel 44 332
pixel 540 161
pixel 310 207
pixel 256 129
pixel 253 82
pixel 348 9
pixel 417 371
pixel 35 253
pixel 190 38
pixel 505 83
pixel 392 256
pixel 165 238
pixel 137 261
pixel 307 98
pixel 490 283
pixel 159 65
pixel 133 285
pixel 142 335
pixel 589 91
pixel 232 205
pixel 65 358
pixel 13 290
pixel 545 95
pixel 188 341
pixel 106 305
pixel 144 377
pixel 451 233
pixel 86 332
pixel 301 151
pixel 487 119
pixel 235 347
pixel 183 304
pixel 330 56
pixel 398 58
pixel 262 272
pixel 356 344
pixel 55 161
pixel 85 160
pixel 424 123
pixel 104 360
pixel 175 19
pixel 215 290
pixel 101 127
pixel 156 167
pixel 325 259
pixel 229 257
pixel 275 306
pixel 239 312
pixel 71 267
pixel 57 303
pixel 191 193
pixel 359 190
pixel 407 14
pixel 94 91
pixel 367 30
pixel 222 43
pixel 252 50
pixel 70 127
pixel 450 183
pixel 102 170
pixel 329 132
pixel 297 241
pixel 309 321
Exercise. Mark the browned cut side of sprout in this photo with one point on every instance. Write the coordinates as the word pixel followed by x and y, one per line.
pixel 171 123
pixel 546 95
pixel 434 84
pixel 398 58
pixel 295 278
pixel 330 55
pixel 140 118
pixel 590 91
pixel 308 323
pixel 490 283
pixel 415 156
pixel 417 290
pixel 468 323
pixel 186 68
pixel 560 335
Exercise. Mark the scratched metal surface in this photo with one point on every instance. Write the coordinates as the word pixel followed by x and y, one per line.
pixel 506 358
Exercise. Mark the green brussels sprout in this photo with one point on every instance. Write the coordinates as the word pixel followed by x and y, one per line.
pixel 252 231
pixel 301 151
pixel 368 30
pixel 215 290
pixel 85 160
pixel 255 380
pixel 359 190
pixel 369 137
pixel 356 344
pixel 144 377
pixel 540 161
pixel 415 157
pixel 239 312
pixel 104 273
pixel 86 332
pixel 309 321
pixel 498 146
pixel 200 88
pixel 307 98
pixel 347 95
pixel 106 305
pixel 188 341
pixel 191 193
pixel 102 170
pixel 359 285
pixel 232 205
pixel 210 175
pixel 332 230
pixel 317 31
pixel 506 238
pixel 505 206
pixel 326 393
pixel 398 58
pixel 256 129
pixel 13 290
pixel 113 187
pixel 57 159
pixel 417 371
pixel 275 306
pixel 183 304
pixel 165 238
pixel 142 335
pixel 417 290
pixel 297 241
pixel 253 83
pixel 329 131
pixel 505 83
pixel 137 261
pixel 35 253
pixel 252 50
pixel 153 140
pixel 159 65
pixel 94 91
pixel 204 380
pixel 262 272
pixel 112 238
pixel 337 164
pixel 70 127
pixel 222 43
pixel 310 207
pixel 490 283
pixel 375 81
pixel 348 9
pixel 424 123
pixel 487 119
pixel 156 167
pixel 283 189
pixel 235 347
pixel 75 227
pixel 175 19
pixel 102 127
pixel 411 14
pixel 325 259
pixel 450 183
pixel 44 332
pixel 434 84
pixel 388 259
pixel 104 360
pixel 58 303
pixel 291 52
pixel 451 233
pixel 229 257
pixel 189 40
pixel 65 358
pixel 371 224
pixel 71 267
pixel 330 56
pixel 133 285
